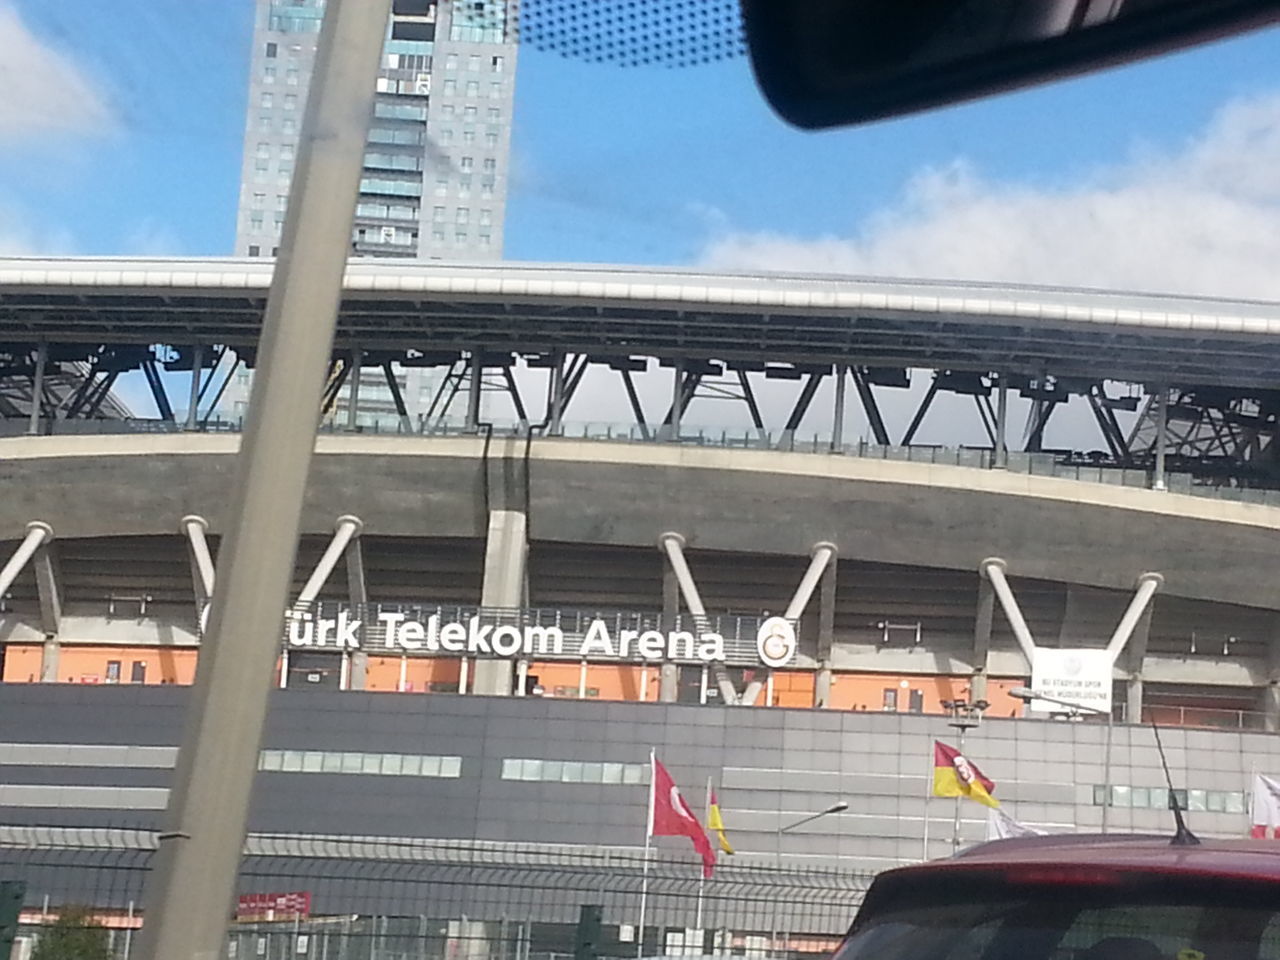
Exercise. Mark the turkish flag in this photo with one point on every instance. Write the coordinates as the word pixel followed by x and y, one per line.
pixel 670 816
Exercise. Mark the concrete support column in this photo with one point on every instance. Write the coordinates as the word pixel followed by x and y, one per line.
pixel 353 389
pixel 476 366
pixel 1162 429
pixel 668 675
pixel 677 400
pixel 556 419
pixel 522 676
pixel 1270 696
pixel 982 639
pixel 506 551
pixel 1001 458
pixel 358 597
pixel 193 398
pixel 37 387
pixel 837 421
pixel 1270 706
pixel 50 655
pixel 826 636
pixel 49 588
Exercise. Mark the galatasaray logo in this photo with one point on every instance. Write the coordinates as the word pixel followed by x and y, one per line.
pixel 776 642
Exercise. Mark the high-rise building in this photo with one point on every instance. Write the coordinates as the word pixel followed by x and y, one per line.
pixel 435 177
pixel 435 169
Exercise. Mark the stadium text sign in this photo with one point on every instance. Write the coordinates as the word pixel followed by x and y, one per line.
pixel 1079 677
pixel 475 638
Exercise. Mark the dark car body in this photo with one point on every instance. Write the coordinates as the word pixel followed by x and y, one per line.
pixel 1077 898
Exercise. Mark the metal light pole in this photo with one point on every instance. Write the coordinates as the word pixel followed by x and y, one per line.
pixel 190 890
pixel 964 716
pixel 1026 695
pixel 838 807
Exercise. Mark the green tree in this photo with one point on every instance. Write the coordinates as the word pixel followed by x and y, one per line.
pixel 73 936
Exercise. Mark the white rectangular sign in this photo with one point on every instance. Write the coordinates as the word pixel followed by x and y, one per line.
pixel 1081 677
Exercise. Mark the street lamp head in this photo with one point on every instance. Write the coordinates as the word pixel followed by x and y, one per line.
pixel 1022 693
pixel 837 807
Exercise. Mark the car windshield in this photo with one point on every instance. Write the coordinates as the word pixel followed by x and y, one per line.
pixel 482 459
pixel 1170 920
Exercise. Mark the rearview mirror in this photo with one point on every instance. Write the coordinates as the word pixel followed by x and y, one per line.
pixel 824 63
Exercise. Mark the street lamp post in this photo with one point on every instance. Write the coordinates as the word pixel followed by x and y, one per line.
pixel 837 807
pixel 964 716
pixel 1026 694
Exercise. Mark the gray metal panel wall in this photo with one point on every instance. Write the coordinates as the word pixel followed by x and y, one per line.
pixel 770 764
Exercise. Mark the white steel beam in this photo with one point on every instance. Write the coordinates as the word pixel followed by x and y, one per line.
pixel 993 568
pixel 347 527
pixel 1148 584
pixel 38 534
pixel 672 544
pixel 194 527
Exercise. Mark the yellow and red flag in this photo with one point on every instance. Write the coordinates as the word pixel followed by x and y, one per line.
pixel 716 823
pixel 954 776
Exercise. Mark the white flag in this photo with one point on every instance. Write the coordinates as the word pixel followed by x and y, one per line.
pixel 1266 807
pixel 1001 826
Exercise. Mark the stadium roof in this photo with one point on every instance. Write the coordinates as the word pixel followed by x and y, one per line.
pixel 620 311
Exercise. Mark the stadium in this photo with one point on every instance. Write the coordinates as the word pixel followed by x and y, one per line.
pixel 495 624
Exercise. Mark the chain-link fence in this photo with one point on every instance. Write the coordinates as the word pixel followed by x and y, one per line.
pixel 357 898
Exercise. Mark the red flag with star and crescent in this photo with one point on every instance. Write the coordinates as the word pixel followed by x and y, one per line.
pixel 670 816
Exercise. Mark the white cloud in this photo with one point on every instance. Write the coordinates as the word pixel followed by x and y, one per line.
pixel 1201 219
pixel 45 92
pixel 20 237
pixel 152 238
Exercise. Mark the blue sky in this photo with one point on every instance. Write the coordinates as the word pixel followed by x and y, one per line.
pixel 621 165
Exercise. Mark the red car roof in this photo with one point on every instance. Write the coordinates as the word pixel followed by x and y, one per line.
pixel 1251 859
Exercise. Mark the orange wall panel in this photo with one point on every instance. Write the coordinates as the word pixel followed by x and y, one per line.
pixel 622 682
pixel 792 688
pixel 88 664
pixel 609 681
pixel 22 663
pixel 420 673
pixel 862 691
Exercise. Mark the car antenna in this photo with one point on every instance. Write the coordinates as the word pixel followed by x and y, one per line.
pixel 1183 837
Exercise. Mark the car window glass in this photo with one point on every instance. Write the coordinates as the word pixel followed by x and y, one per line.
pixel 1129 933
pixel 1269 946
pixel 954 932
pixel 1020 926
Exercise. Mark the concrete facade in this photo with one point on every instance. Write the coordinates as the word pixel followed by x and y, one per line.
pixel 728 500
pixel 909 535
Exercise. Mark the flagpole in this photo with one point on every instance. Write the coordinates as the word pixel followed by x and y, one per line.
pixel 955 826
pixel 1253 776
pixel 648 836
pixel 928 796
pixel 706 816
